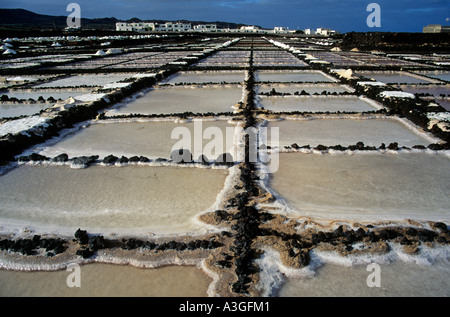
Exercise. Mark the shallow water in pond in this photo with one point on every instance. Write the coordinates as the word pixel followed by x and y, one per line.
pixel 396 279
pixel 365 186
pixel 106 280
pixel 182 99
pixel 422 89
pixel 309 88
pixel 57 94
pixel 291 76
pixel 139 198
pixel 396 78
pixel 16 110
pixel 150 139
pixel 85 80
pixel 444 102
pixel 315 104
pixel 345 132
pixel 438 75
pixel 207 77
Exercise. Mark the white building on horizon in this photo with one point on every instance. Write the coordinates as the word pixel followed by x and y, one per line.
pixel 173 27
pixel 320 31
pixel 153 27
pixel 187 27
pixel 205 28
pixel 250 29
pixel 280 29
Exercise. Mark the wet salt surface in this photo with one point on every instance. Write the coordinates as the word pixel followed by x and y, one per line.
pixel 138 198
pixel 396 78
pixel 309 88
pixel 151 139
pixel 57 94
pixel 444 102
pixel 292 76
pixel 108 280
pixel 346 132
pixel 364 186
pixel 85 80
pixel 16 110
pixel 396 279
pixel 438 75
pixel 182 99
pixel 207 77
pixel 431 89
pixel 315 104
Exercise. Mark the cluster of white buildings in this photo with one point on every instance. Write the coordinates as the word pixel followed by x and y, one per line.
pixel 320 31
pixel 211 28
pixel 187 27
pixel 164 27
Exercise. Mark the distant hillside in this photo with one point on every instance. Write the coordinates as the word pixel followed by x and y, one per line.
pixel 24 19
pixel 16 18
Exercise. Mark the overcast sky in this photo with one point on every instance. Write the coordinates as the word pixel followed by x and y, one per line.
pixel 342 15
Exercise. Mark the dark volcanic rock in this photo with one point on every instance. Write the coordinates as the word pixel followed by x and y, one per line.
pixel 84 160
pixel 303 258
pixel 393 146
pixel 82 236
pixel 85 253
pixel 134 159
pixel 62 158
pixel 143 159
pixel 110 159
pixel 30 246
pixel 131 244
pixel 97 243
pixel 123 160
pixel 33 158
pixel 321 147
pixel 440 226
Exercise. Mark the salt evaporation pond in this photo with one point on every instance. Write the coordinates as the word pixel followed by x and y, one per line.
pixel 138 198
pixel 316 103
pixel 182 99
pixel 365 187
pixel 109 280
pixel 397 279
pixel 150 139
pixel 445 103
pixel 85 80
pixel 207 77
pixel 434 90
pixel 57 94
pixel 334 131
pixel 309 88
pixel 292 76
pixel 10 110
pixel 438 75
pixel 396 78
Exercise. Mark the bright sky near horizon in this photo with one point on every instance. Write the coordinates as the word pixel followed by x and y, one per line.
pixel 342 15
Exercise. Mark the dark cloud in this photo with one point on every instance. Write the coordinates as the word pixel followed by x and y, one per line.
pixel 344 15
